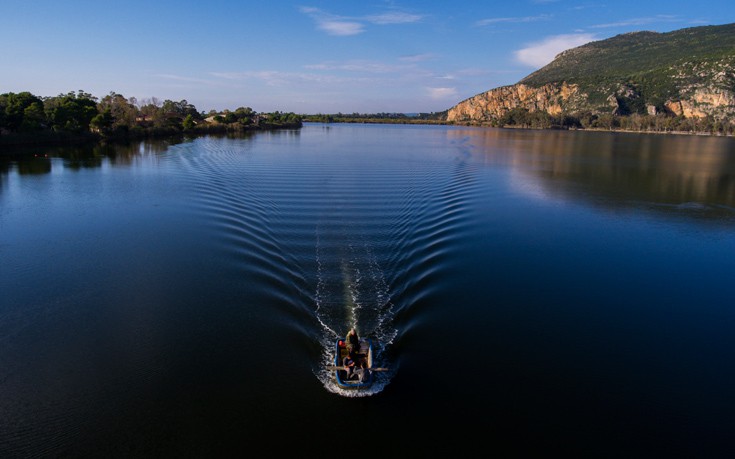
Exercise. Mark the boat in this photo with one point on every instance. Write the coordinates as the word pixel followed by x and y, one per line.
pixel 365 354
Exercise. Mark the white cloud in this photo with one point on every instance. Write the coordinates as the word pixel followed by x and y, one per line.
pixel 394 18
pixel 345 26
pixel 486 22
pixel 341 28
pixel 333 25
pixel 442 93
pixel 277 78
pixel 418 57
pixel 180 78
pixel 361 66
pixel 541 53
pixel 270 77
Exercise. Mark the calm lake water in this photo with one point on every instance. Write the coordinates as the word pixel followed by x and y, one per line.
pixel 535 292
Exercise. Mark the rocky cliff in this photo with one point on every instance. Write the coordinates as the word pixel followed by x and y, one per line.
pixel 551 98
pixel 688 73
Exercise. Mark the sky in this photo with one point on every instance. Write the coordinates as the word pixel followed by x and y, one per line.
pixel 310 56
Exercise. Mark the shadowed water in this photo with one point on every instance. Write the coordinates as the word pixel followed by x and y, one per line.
pixel 542 291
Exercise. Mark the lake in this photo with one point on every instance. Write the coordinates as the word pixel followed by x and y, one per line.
pixel 530 292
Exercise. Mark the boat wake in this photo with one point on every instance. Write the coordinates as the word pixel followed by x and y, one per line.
pixel 352 292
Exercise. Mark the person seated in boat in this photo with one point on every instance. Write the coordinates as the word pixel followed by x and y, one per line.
pixel 352 342
pixel 355 367
pixel 350 365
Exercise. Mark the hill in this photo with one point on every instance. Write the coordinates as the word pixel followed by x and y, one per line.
pixel 689 73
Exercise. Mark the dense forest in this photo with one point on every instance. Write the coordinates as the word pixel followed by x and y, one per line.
pixel 27 118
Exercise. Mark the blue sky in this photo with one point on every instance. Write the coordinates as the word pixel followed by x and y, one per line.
pixel 309 56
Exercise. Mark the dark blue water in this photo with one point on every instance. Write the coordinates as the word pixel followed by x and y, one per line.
pixel 531 292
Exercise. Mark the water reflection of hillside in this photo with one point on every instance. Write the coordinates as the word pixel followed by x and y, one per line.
pixel 664 172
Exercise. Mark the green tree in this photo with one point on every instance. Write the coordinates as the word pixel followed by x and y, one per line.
pixel 102 122
pixel 150 110
pixel 229 118
pixel 516 117
pixel 123 111
pixel 34 117
pixel 16 107
pixel 188 123
pixel 605 121
pixel 172 114
pixel 244 115
pixel 71 112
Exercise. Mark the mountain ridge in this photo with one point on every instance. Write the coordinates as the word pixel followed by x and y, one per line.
pixel 689 73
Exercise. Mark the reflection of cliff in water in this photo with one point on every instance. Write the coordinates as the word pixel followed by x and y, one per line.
pixel 664 172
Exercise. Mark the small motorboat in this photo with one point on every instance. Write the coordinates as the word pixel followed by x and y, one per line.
pixel 362 378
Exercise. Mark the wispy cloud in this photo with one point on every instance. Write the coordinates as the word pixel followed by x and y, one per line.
pixel 586 7
pixel 418 57
pixel 341 28
pixel 182 79
pixel 337 25
pixel 394 18
pixel 270 77
pixel 491 21
pixel 333 25
pixel 639 21
pixel 278 78
pixel 360 66
pixel 442 93
pixel 541 53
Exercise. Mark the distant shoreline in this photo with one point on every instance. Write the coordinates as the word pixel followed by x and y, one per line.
pixel 485 125
pixel 630 131
pixel 12 144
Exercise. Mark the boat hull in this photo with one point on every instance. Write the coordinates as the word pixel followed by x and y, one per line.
pixel 366 352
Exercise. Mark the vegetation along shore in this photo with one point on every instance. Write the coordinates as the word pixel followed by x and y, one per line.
pixel 81 117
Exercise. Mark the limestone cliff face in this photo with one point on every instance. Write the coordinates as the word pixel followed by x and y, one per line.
pixel 551 98
pixel 716 102
pixel 555 98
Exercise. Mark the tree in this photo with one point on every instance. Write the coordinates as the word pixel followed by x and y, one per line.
pixel 71 112
pixel 516 117
pixel 171 114
pixel 149 111
pixel 244 115
pixel 244 111
pixel 122 110
pixel 605 121
pixel 188 123
pixel 16 107
pixel 3 99
pixel 33 117
pixel 103 122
